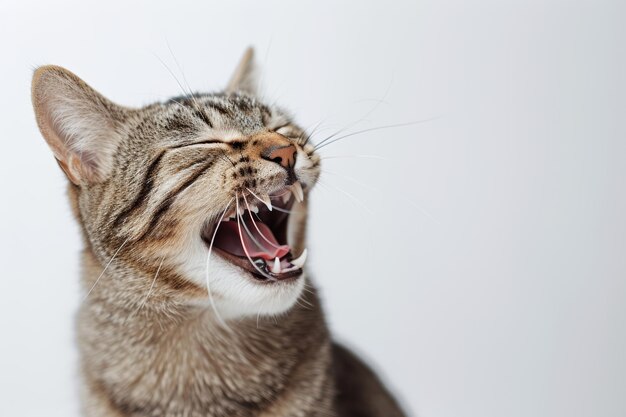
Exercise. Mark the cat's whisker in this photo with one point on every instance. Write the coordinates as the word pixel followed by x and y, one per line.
pixel 208 265
pixel 306 304
pixel 187 92
pixel 168 69
pixel 143 302
pixel 249 233
pixel 280 195
pixel 351 125
pixel 354 156
pixel 190 91
pixel 350 196
pixel 284 210
pixel 307 136
pixel 378 191
pixel 267 202
pixel 106 267
pixel 351 179
pixel 327 138
pixel 243 245
pixel 255 225
pixel 228 159
pixel 371 129
pixel 273 207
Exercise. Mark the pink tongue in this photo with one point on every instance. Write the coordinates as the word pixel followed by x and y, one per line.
pixel 228 239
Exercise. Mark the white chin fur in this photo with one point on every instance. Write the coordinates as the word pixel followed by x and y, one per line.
pixel 234 292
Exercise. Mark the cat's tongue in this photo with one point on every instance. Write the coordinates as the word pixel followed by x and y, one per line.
pixel 260 245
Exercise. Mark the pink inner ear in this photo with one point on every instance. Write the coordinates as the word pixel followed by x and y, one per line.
pixel 89 164
pixel 80 167
pixel 69 172
pixel 64 103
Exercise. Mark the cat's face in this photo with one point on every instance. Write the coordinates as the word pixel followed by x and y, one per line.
pixel 209 189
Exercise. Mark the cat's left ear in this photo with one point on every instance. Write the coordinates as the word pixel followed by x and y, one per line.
pixel 79 124
pixel 244 78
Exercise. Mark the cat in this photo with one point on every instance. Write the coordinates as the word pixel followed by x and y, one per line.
pixel 193 215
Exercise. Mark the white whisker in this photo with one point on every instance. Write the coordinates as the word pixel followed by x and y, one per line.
pixel 365 116
pixel 105 268
pixel 358 132
pixel 378 191
pixel 255 196
pixel 243 245
pixel 350 196
pixel 151 285
pixel 351 179
pixel 208 265
pixel 249 233
pixel 354 156
pixel 255 225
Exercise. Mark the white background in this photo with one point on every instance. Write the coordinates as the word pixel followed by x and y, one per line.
pixel 479 261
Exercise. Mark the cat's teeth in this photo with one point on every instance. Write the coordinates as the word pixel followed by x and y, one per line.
pixel 266 200
pixel 254 209
pixel 276 267
pixel 296 189
pixel 286 197
pixel 240 210
pixel 300 260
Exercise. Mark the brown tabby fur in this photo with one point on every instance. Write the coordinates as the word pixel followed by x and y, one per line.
pixel 150 344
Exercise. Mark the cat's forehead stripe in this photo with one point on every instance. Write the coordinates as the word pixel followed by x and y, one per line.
pixel 235 112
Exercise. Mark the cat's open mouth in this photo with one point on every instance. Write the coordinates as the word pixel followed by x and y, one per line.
pixel 256 238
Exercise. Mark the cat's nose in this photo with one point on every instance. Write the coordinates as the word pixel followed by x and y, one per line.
pixel 284 155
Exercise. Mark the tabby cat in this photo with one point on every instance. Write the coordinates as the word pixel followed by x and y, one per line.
pixel 193 213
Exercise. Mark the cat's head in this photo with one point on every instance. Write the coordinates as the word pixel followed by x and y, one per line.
pixel 155 188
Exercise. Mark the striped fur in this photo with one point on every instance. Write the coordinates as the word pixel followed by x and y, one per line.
pixel 143 184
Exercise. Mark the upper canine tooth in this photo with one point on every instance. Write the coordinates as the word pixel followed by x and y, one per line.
pixel 266 200
pixel 296 189
pixel 300 260
pixel 276 267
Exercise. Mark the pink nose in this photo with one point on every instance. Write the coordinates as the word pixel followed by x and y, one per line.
pixel 282 155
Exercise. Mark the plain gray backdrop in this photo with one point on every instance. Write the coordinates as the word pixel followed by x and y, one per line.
pixel 477 259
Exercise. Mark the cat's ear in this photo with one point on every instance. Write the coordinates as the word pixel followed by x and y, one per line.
pixel 79 124
pixel 244 78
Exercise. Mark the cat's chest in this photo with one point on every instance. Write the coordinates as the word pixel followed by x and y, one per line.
pixel 189 371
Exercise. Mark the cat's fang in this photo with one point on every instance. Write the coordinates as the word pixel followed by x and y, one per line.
pixel 276 267
pixel 286 197
pixel 300 260
pixel 254 209
pixel 296 189
pixel 265 198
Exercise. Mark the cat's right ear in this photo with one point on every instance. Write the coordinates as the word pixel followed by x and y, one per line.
pixel 244 78
pixel 79 124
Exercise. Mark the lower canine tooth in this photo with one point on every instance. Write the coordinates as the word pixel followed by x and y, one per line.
pixel 296 189
pixel 300 260
pixel 276 267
